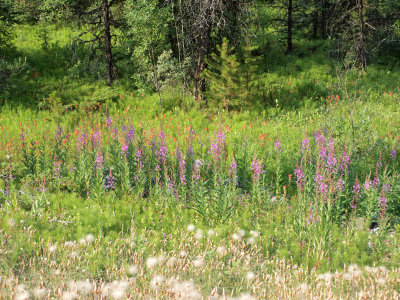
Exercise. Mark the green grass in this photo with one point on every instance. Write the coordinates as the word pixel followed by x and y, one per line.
pixel 128 228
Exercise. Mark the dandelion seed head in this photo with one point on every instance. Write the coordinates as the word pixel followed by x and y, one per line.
pixel 211 232
pixel 303 288
pixel 250 276
pixel 172 261
pixel 236 237
pixel 183 254
pixel 69 244
pixel 157 282
pixel 68 295
pixel 53 248
pixel 198 262
pixel 191 228
pixel 199 234
pixel 151 262
pixel 133 270
pixel 381 281
pixel 254 234
pixel 251 240
pixel 347 276
pixel 221 250
pixel 89 238
pixel 39 292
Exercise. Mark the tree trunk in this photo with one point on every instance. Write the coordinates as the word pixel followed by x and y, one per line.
pixel 107 42
pixel 290 27
pixel 315 20
pixel 324 18
pixel 362 60
pixel 199 84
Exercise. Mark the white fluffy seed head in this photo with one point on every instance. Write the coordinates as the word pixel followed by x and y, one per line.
pixel 251 240
pixel 211 232
pixel 68 295
pixel 199 234
pixel 89 238
pixel 133 270
pixel 191 228
pixel 381 281
pixel 254 234
pixel 221 250
pixel 157 282
pixel 151 262
pixel 236 237
pixel 39 292
pixel 53 248
pixel 250 276
pixel 198 262
pixel 183 254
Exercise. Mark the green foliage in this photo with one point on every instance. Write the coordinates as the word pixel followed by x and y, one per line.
pixel 232 82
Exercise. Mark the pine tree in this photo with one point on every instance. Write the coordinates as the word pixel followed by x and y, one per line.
pixel 222 76
pixel 232 78
pixel 248 71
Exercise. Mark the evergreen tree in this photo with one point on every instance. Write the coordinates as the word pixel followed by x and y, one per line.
pixel 231 77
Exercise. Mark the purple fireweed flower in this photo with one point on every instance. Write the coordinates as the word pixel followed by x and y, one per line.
pixel 163 153
pixel 82 139
pixel 233 171
pixel 356 193
pixel 43 189
pixel 257 170
pixel 182 168
pixel 376 181
pixel 321 185
pixel 130 135
pixel 368 184
pixel 138 159
pixel 305 145
pixel 393 154
pixel 345 162
pixel 217 148
pixel 233 168
pixel 171 184
pixel 23 138
pixel 382 199
pixel 379 164
pixel 277 144
pixel 382 202
pixel 340 184
pixel 98 162
pixel 331 160
pixel 300 178
pixel 124 149
pixel 110 182
pixel 312 219
pixel 320 140
pixel 108 121
pixel 57 167
pixel 58 133
pixel 96 139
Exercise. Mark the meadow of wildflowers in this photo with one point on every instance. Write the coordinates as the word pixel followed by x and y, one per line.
pixel 121 203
